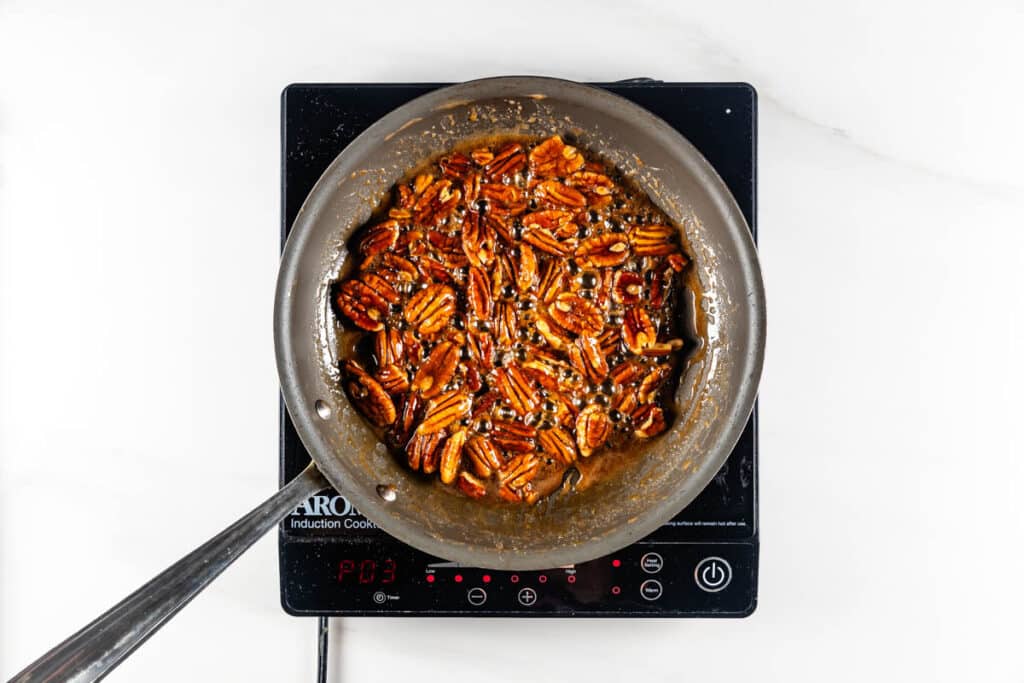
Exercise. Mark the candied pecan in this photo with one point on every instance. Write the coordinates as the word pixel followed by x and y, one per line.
pixel 557 444
pixel 609 340
pixel 508 160
pixel 517 389
pixel 393 379
pixel 514 436
pixel 455 166
pixel 368 395
pixel 448 248
pixel 483 456
pixel 576 314
pixel 435 271
pixel 627 288
pixel 506 323
pixel 503 196
pixel 557 222
pixel 550 333
pixel 626 372
pixel 422 451
pixel 396 269
pixel 557 194
pixel 477 240
pixel 451 454
pixel 653 240
pixel 637 330
pixel 542 372
pixel 388 348
pixel 410 414
pixel 651 383
pixel 526 268
pixel 478 293
pixel 552 281
pixel 554 158
pixel 546 242
pixel 593 427
pixel 677 261
pixel 437 370
pixel 431 308
pixel 379 238
pixel 381 286
pixel 586 356
pixel 481 348
pixel 447 408
pixel 470 485
pixel 596 186
pixel 517 471
pixel 482 157
pixel 436 202
pixel 604 250
pixel 362 305
pixel 648 421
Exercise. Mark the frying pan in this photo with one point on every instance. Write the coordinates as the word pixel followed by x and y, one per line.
pixel 715 395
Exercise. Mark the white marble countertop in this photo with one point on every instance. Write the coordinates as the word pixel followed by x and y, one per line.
pixel 139 208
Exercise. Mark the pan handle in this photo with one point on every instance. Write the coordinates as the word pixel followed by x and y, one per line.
pixel 94 651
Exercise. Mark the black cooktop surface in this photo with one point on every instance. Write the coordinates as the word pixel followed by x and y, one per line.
pixel 702 563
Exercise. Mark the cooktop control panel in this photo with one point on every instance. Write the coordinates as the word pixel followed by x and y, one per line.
pixel 703 562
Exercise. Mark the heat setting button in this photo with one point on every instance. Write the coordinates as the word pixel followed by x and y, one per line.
pixel 712 574
pixel 651 563
pixel 476 596
pixel 527 597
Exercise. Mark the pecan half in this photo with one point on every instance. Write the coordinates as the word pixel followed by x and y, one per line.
pixel 653 240
pixel 558 445
pixel 514 436
pixel 552 281
pixel 388 348
pixel 455 166
pixel 526 268
pixel 558 223
pixel 677 262
pixel 609 340
pixel 626 372
pixel 518 470
pixel 481 349
pixel 546 242
pixel 648 421
pixel 506 323
pixel 431 308
pixel 379 238
pixel 501 196
pixel 478 293
pixel 586 356
pixel 596 186
pixel 444 410
pixel 408 418
pixel 368 395
pixel 396 269
pixel 448 248
pixel 517 389
pixel 550 334
pixel 576 314
pixel 482 156
pixel 381 286
pixel 422 451
pixel 508 160
pixel 557 194
pixel 436 203
pixel 477 240
pixel 637 330
pixel 483 456
pixel 393 379
pixel 627 288
pixel 554 158
pixel 602 251
pixel 437 370
pixel 593 427
pixel 451 455
pixel 651 383
pixel 470 485
pixel 362 305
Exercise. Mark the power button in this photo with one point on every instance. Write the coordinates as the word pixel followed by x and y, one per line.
pixel 712 574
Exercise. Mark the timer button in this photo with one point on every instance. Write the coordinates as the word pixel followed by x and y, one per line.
pixel 476 596
pixel 712 574
pixel 651 563
pixel 650 590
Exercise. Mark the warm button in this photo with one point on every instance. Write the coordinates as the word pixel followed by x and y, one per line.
pixel 712 574
pixel 527 597
pixel 650 589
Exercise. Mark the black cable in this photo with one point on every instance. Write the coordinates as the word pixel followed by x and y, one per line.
pixel 321 650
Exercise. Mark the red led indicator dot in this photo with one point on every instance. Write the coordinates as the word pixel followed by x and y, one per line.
pixel 514 578
pixel 542 579
pixel 571 578
pixel 430 578
pixel 487 578
pixel 616 563
pixel 458 578
pixel 616 590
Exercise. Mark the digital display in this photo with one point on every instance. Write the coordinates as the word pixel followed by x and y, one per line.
pixel 367 572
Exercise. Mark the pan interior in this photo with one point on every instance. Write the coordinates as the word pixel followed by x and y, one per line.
pixel 715 394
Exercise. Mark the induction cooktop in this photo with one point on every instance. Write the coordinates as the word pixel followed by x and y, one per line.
pixel 702 563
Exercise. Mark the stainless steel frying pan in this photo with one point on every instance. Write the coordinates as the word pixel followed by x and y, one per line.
pixel 714 398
